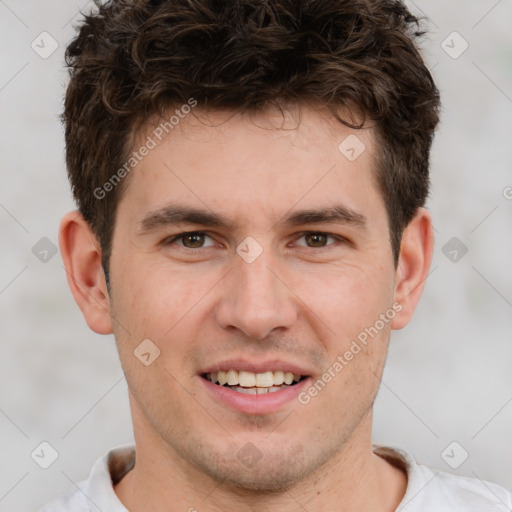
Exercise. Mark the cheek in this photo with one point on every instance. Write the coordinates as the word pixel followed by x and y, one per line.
pixel 347 299
pixel 151 299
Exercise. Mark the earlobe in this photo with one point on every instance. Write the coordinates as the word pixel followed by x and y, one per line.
pixel 82 260
pixel 413 266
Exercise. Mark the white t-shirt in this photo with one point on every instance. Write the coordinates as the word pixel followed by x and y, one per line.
pixel 428 490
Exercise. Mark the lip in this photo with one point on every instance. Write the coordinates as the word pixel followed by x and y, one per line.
pixel 257 367
pixel 254 404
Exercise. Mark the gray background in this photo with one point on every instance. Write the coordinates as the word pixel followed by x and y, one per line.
pixel 449 373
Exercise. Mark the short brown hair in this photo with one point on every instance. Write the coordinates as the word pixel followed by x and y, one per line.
pixel 133 59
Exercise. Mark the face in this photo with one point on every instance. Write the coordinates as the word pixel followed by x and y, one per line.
pixel 247 251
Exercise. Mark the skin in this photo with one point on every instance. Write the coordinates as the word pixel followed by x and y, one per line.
pixel 298 301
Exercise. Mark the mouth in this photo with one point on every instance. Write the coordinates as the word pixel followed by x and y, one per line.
pixel 250 383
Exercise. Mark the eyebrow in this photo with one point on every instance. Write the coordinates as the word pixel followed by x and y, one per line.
pixel 176 214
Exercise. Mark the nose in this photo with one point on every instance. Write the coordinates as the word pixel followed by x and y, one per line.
pixel 255 299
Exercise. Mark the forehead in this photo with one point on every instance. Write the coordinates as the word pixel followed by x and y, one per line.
pixel 263 164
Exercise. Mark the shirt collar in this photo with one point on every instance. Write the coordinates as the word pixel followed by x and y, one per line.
pixel 112 467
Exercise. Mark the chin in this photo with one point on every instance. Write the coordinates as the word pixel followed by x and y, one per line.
pixel 264 477
pixel 272 468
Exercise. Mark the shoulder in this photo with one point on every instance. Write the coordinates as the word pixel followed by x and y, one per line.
pixel 73 500
pixel 97 492
pixel 430 489
pixel 465 493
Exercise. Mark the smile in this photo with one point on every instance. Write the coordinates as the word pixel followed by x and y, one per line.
pixel 254 383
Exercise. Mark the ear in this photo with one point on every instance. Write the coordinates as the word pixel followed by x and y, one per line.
pixel 413 266
pixel 82 260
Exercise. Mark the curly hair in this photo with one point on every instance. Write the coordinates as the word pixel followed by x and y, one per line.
pixel 134 59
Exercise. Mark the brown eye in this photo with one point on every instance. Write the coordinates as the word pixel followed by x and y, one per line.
pixel 316 239
pixel 192 240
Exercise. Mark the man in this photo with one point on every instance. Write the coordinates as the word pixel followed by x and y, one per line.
pixel 250 179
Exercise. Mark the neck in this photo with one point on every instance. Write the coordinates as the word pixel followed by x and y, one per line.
pixel 354 479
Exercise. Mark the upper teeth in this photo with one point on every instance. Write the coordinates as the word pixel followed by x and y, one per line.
pixel 249 379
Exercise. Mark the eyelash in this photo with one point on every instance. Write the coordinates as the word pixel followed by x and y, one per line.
pixel 172 239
